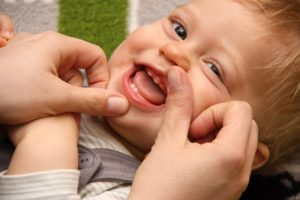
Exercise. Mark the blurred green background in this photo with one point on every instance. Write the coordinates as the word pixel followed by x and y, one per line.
pixel 102 22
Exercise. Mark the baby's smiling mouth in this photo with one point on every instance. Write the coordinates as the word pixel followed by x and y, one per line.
pixel 149 85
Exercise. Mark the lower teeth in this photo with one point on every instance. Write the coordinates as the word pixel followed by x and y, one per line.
pixel 133 87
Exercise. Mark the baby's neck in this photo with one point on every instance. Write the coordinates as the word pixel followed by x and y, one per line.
pixel 137 153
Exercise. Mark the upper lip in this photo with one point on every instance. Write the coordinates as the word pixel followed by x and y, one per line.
pixel 158 75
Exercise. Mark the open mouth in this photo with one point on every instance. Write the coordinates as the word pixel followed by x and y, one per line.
pixel 147 87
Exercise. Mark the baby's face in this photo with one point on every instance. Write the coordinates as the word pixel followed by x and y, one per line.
pixel 215 42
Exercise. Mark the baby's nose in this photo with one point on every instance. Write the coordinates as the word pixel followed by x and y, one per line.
pixel 176 54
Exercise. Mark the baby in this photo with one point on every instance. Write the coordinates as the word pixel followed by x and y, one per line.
pixel 230 50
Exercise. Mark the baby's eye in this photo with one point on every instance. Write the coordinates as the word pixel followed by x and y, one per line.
pixel 179 30
pixel 214 68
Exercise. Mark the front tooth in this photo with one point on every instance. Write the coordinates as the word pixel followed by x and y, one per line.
pixel 156 80
pixel 149 73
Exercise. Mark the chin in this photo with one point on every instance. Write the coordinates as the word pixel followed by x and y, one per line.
pixel 142 137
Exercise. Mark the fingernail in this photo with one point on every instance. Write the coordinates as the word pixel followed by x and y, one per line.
pixel 7 34
pixel 116 105
pixel 174 79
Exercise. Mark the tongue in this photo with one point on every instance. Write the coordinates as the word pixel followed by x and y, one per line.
pixel 148 89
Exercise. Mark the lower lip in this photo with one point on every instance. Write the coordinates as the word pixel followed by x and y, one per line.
pixel 133 97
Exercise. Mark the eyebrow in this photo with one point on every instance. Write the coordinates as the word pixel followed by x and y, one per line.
pixel 180 6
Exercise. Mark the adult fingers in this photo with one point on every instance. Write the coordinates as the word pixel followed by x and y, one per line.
pixel 73 77
pixel 3 42
pixel 21 36
pixel 244 162
pixel 252 147
pixel 237 124
pixel 236 133
pixel 6 27
pixel 76 53
pixel 66 52
pixel 95 101
pixel 179 106
pixel 231 120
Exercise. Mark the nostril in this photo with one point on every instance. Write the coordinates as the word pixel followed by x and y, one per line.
pixel 176 55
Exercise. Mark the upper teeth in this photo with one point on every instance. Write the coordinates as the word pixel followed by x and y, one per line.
pixel 149 73
pixel 156 79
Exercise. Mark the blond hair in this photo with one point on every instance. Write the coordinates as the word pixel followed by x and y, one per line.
pixel 279 122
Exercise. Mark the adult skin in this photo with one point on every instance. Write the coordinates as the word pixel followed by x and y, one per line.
pixel 6 29
pixel 215 166
pixel 43 65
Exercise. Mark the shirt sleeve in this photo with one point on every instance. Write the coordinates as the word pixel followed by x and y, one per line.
pixel 50 185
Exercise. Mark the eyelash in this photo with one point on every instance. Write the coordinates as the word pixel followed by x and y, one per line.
pixel 175 22
pixel 215 69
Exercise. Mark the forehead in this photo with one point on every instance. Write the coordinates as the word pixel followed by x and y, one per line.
pixel 226 23
pixel 226 12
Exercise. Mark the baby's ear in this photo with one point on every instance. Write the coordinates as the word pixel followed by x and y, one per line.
pixel 261 156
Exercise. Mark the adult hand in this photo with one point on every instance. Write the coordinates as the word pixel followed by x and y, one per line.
pixel 31 86
pixel 6 29
pixel 216 167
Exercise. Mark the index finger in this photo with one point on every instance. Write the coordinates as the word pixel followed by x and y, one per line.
pixel 6 27
pixel 232 120
pixel 236 122
pixel 75 53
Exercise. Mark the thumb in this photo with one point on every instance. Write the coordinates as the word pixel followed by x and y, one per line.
pixel 179 106
pixel 6 27
pixel 94 101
